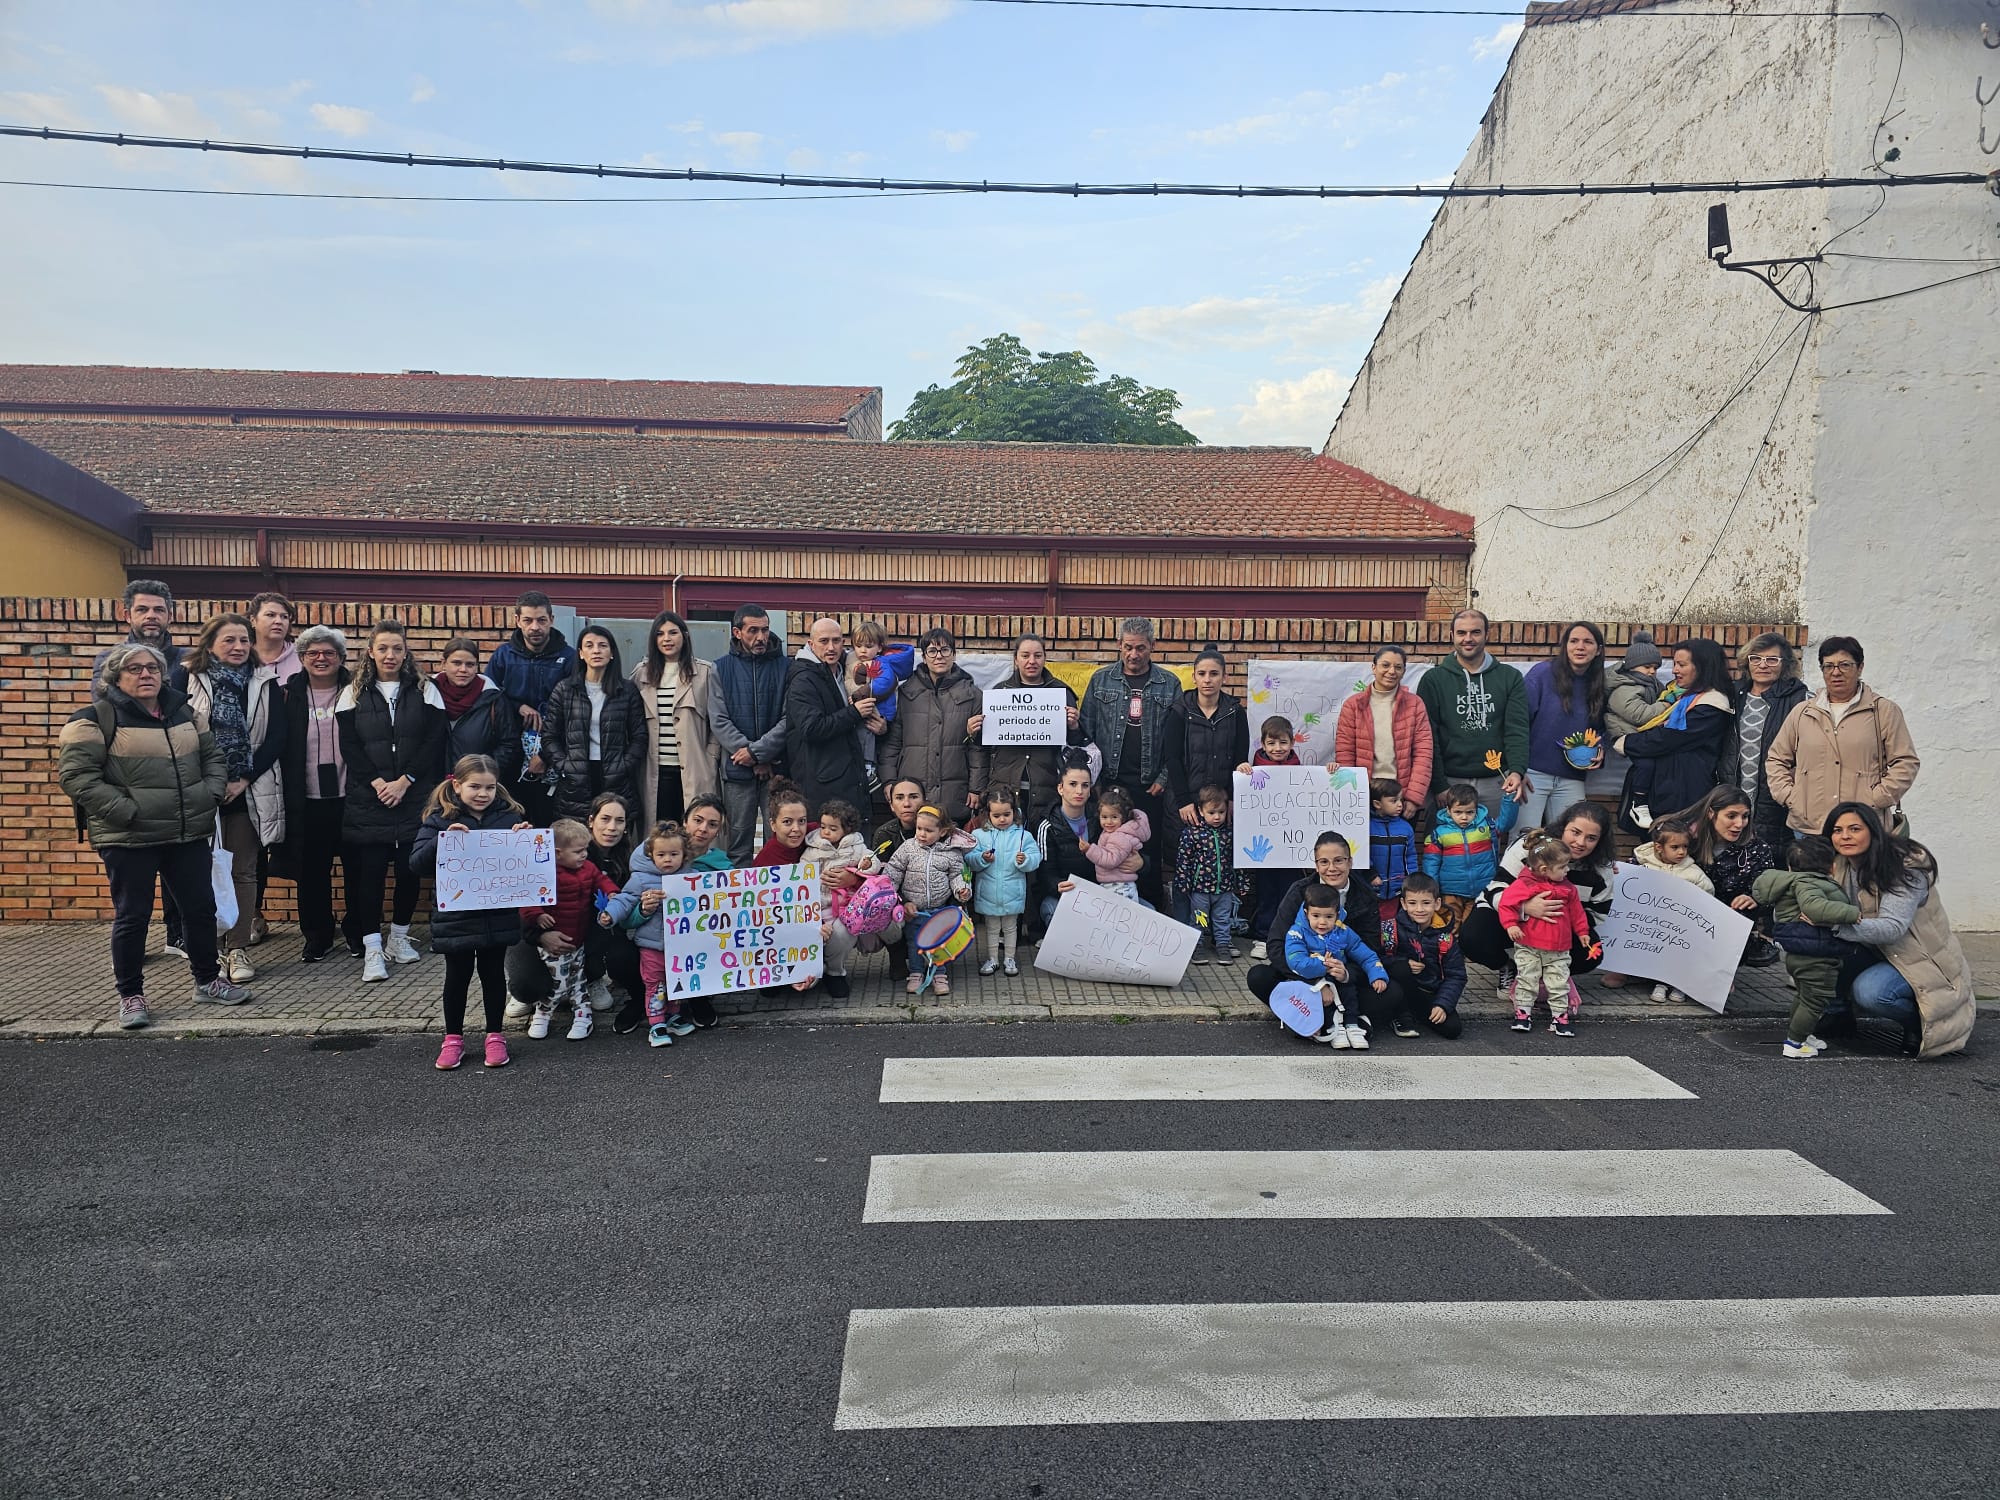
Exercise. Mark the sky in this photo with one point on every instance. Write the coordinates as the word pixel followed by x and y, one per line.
pixel 1257 313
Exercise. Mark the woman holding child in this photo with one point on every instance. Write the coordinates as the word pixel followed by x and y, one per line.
pixel 1922 982
pixel 1585 831
pixel 1674 757
pixel 1386 728
pixel 931 739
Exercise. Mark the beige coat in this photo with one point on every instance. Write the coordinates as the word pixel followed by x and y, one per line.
pixel 1928 956
pixel 1814 766
pixel 700 758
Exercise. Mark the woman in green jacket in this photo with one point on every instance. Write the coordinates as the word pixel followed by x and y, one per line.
pixel 147 779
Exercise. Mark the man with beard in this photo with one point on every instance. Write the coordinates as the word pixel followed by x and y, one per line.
pixel 747 707
pixel 526 668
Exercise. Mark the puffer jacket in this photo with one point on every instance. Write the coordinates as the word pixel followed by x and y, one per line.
pixel 621 737
pixel 463 931
pixel 1037 766
pixel 490 727
pixel 159 779
pixel 822 736
pixel 373 743
pixel 1631 698
pixel 927 877
pixel 927 741
pixel 1814 765
pixel 1201 749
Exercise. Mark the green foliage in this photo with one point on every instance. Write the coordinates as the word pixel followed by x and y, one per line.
pixel 1001 393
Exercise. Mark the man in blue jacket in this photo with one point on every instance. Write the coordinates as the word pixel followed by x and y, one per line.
pixel 746 707
pixel 526 668
pixel 1124 712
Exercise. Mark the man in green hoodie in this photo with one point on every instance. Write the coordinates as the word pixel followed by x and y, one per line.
pixel 1479 717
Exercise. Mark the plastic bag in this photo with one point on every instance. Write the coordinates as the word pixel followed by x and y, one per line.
pixel 222 879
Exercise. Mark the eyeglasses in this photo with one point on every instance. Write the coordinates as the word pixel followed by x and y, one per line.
pixel 937 651
pixel 1767 661
pixel 145 671
pixel 1837 666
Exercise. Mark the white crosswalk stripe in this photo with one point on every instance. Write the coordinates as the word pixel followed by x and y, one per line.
pixel 1314 1075
pixel 985 1186
pixel 1261 1362
pixel 1039 1366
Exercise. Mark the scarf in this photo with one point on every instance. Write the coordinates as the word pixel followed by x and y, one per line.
pixel 458 701
pixel 229 714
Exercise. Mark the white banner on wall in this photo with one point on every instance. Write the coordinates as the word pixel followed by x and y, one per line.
pixel 1664 929
pixel 1281 810
pixel 1096 935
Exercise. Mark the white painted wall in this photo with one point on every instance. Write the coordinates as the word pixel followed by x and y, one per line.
pixel 1903 542
pixel 1544 352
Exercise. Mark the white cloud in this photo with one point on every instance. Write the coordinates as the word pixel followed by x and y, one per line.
pixel 954 140
pixel 343 119
pixel 1293 411
pixel 687 127
pixel 1312 113
pixel 1264 322
pixel 1502 41
pixel 722 26
pixel 41 109
pixel 743 146
pixel 157 114
pixel 422 90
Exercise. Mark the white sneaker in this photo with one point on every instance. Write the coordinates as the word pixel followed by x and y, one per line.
pixel 538 1025
pixel 1642 815
pixel 1661 994
pixel 400 949
pixel 1336 1037
pixel 580 1027
pixel 373 966
pixel 241 970
pixel 1357 1039
pixel 1257 953
pixel 599 995
pixel 990 967
pixel 1816 1043
pixel 518 1009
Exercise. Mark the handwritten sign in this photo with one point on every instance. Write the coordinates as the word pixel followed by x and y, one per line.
pixel 1024 716
pixel 486 868
pixel 730 931
pixel 1664 929
pixel 1300 1006
pixel 1281 810
pixel 1096 935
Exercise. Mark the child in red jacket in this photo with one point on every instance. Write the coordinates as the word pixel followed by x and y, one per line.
pixel 1542 944
pixel 579 885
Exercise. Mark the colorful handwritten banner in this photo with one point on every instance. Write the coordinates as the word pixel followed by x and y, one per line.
pixel 729 931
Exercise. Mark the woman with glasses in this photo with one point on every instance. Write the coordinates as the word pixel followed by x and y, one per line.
pixel 1846 743
pixel 932 739
pixel 316 785
pixel 1767 692
pixel 147 779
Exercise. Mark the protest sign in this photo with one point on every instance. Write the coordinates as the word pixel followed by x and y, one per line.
pixel 1300 1006
pixel 1096 935
pixel 480 869
pixel 728 931
pixel 1664 929
pixel 1280 810
pixel 1024 716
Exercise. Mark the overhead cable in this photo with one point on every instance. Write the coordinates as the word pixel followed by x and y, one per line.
pixel 948 185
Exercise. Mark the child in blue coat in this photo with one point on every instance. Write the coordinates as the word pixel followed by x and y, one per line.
pixel 1003 854
pixel 1319 948
pixel 1463 852
pixel 1392 848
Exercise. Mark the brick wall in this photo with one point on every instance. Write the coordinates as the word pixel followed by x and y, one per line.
pixel 47 645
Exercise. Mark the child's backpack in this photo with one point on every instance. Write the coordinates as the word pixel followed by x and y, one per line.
pixel 874 906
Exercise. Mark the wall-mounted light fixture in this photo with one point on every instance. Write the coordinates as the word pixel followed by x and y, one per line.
pixel 1719 249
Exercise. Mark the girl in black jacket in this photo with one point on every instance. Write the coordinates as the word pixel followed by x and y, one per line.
pixel 471 799
pixel 594 732
pixel 392 733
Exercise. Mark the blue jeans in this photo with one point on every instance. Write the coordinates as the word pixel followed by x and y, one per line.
pixel 1879 993
pixel 1550 797
pixel 1219 908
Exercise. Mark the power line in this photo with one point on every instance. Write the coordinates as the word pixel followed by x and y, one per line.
pixel 122 187
pixel 947 185
pixel 1516 14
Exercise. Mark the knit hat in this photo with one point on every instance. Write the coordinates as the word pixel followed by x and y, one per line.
pixel 1642 654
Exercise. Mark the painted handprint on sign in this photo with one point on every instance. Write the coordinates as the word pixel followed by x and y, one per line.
pixel 1258 849
pixel 1259 780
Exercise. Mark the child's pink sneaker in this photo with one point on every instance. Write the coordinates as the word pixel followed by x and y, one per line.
pixel 496 1050
pixel 451 1054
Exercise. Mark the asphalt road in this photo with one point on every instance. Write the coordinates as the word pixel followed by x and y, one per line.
pixel 246 1268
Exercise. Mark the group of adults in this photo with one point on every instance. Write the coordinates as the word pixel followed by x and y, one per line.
pixel 294 752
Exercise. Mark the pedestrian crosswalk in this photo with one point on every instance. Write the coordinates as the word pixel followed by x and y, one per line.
pixel 977 1366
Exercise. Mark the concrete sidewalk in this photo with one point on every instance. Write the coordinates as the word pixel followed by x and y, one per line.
pixel 55 980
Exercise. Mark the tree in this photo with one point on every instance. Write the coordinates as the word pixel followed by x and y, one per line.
pixel 1001 393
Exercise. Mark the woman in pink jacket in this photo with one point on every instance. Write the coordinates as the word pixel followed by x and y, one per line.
pixel 1404 751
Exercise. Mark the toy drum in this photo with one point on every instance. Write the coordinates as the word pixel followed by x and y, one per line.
pixel 944 935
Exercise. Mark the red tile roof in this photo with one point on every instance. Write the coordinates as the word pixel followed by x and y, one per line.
pixel 473 398
pixel 1550 12
pixel 749 484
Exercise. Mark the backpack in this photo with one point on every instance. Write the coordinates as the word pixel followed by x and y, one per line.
pixel 874 906
pixel 107 723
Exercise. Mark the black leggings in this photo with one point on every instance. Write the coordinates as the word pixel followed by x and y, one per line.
pixel 368 867
pixel 670 806
pixel 458 966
